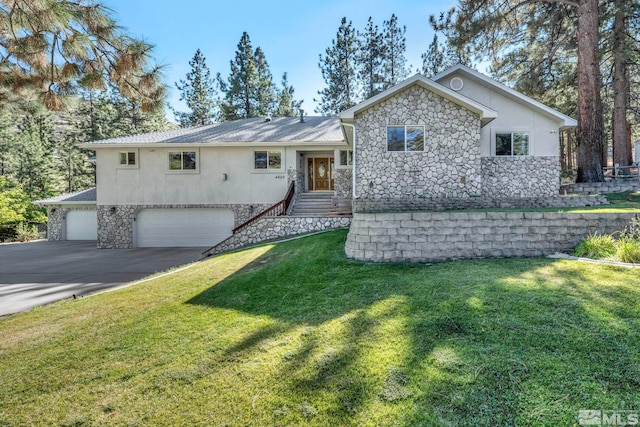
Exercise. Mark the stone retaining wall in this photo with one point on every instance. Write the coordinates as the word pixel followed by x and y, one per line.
pixel 619 186
pixel 462 203
pixel 526 176
pixel 440 236
pixel 270 228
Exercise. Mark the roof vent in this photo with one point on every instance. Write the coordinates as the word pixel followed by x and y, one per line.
pixel 268 119
pixel 301 115
pixel 456 83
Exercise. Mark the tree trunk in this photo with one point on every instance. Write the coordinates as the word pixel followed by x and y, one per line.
pixel 621 148
pixel 590 121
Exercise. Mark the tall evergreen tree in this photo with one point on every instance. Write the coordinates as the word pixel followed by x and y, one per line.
pixel 393 52
pixel 338 67
pixel 370 60
pixel 265 91
pixel 199 93
pixel 287 105
pixel 433 60
pixel 249 90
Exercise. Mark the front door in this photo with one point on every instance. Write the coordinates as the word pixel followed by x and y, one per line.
pixel 320 176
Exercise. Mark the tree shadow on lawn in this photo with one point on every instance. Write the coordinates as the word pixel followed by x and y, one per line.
pixel 490 342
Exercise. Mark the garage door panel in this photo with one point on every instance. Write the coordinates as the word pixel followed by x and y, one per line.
pixel 82 224
pixel 192 227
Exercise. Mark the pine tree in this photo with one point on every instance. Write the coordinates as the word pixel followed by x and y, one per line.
pixel 199 93
pixel 287 106
pixel 265 92
pixel 249 90
pixel 338 67
pixel 393 52
pixel 55 45
pixel 433 60
pixel 370 60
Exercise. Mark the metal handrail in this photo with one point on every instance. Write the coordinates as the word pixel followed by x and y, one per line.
pixel 277 209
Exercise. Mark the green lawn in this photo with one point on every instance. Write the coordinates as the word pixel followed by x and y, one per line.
pixel 296 334
pixel 618 203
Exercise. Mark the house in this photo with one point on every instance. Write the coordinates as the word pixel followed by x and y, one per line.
pixel 457 136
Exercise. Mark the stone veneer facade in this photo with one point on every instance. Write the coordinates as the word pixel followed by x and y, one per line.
pixel 115 223
pixel 270 228
pixel 462 203
pixel 441 236
pixel 343 184
pixel 449 164
pixel 56 221
pixel 520 176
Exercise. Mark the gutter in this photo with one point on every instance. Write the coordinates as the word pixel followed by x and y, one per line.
pixel 353 158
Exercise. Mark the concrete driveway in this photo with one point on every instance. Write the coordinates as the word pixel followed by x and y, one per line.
pixel 38 273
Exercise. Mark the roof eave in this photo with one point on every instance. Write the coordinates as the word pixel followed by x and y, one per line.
pixel 208 144
pixel 569 122
pixel 62 202
pixel 483 111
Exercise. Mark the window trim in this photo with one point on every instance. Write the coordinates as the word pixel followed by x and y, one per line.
pixel 349 159
pixel 182 151
pixel 496 132
pixel 386 137
pixel 128 165
pixel 268 169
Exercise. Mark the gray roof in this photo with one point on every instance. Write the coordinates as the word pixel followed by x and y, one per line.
pixel 279 129
pixel 83 196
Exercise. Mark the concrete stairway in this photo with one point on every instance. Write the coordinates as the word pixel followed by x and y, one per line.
pixel 313 204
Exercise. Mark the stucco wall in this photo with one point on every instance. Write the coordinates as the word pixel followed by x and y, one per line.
pixel 150 182
pixel 440 236
pixel 512 117
pixel 520 176
pixel 449 164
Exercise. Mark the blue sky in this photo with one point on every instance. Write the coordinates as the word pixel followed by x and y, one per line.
pixel 291 33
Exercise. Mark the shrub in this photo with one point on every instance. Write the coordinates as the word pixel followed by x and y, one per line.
pixel 628 250
pixel 596 246
pixel 26 232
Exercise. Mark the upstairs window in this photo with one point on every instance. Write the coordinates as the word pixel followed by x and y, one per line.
pixel 127 158
pixel 512 144
pixel 183 161
pixel 267 160
pixel 346 157
pixel 405 138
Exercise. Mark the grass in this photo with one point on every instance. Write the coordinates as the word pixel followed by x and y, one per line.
pixel 623 246
pixel 296 334
pixel 618 203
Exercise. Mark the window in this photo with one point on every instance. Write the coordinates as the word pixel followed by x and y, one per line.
pixel 127 158
pixel 183 161
pixel 346 157
pixel 405 138
pixel 512 144
pixel 268 160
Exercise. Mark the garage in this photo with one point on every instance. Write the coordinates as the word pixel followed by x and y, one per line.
pixel 188 227
pixel 82 224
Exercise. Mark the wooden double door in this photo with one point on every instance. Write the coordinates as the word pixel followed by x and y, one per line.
pixel 320 173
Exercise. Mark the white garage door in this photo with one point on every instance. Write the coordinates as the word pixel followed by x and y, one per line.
pixel 82 225
pixel 193 227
